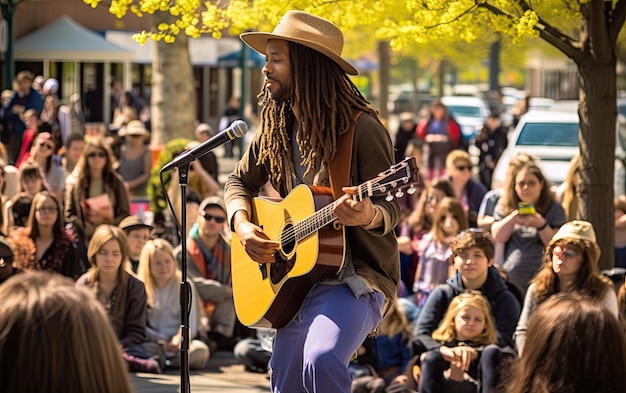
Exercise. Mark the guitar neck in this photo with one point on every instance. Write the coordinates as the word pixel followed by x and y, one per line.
pixel 315 222
pixel 396 178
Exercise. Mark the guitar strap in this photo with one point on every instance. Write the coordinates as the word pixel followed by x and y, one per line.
pixel 339 168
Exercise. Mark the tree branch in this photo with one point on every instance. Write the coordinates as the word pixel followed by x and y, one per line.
pixel 566 44
pixel 618 16
pixel 462 14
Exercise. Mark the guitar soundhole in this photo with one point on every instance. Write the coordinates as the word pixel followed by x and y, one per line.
pixel 282 265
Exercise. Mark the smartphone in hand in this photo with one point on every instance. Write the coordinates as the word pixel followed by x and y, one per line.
pixel 526 208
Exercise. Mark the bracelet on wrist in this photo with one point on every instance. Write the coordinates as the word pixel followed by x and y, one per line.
pixel 545 224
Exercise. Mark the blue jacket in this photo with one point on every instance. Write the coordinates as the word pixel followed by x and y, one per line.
pixel 33 100
pixel 505 309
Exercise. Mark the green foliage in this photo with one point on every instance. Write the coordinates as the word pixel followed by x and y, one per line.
pixel 155 191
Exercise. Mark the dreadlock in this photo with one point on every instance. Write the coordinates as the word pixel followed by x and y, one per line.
pixel 325 97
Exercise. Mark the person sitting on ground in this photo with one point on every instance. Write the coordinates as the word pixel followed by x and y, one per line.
pixel 466 329
pixel 570 265
pixel 391 352
pixel 138 233
pixel 122 295
pixel 208 254
pixel 40 310
pixel 472 253
pixel 574 344
pixel 162 277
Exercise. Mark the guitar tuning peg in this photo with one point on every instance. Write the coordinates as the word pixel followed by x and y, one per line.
pixel 399 194
pixel 411 190
pixel 389 197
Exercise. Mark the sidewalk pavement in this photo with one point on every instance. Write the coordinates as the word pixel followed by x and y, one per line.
pixel 222 374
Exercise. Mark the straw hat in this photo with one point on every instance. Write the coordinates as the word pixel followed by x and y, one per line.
pixel 134 127
pixel 308 30
pixel 578 231
pixel 133 222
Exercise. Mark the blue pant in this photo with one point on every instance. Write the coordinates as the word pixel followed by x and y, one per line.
pixel 312 353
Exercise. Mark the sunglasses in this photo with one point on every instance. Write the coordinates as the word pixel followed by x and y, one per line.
pixel 46 209
pixel 463 167
pixel 97 154
pixel 210 217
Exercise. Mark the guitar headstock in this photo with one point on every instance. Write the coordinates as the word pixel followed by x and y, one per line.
pixel 393 181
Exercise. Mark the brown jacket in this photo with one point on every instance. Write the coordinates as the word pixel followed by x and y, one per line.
pixel 374 252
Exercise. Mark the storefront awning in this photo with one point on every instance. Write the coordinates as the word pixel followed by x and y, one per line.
pixel 66 40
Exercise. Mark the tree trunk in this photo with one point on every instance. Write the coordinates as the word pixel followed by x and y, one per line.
pixel 173 99
pixel 597 146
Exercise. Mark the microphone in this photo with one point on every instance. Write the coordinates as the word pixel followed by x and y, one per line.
pixel 236 130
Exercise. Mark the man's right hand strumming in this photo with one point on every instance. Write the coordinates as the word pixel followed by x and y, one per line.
pixel 256 243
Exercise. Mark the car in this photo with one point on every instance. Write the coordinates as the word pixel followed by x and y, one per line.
pixel 469 112
pixel 549 136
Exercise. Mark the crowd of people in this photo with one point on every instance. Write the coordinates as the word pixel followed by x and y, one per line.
pixel 467 288
pixel 69 208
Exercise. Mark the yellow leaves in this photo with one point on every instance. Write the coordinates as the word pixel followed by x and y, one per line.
pixel 92 3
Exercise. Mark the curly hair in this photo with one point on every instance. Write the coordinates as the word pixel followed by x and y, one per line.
pixel 324 98
pixel 588 281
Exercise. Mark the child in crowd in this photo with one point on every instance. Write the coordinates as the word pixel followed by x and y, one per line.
pixel 410 233
pixel 434 248
pixel 391 352
pixel 464 331
pixel 472 252
pixel 161 276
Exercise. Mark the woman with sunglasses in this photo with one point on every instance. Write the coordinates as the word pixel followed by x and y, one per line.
pixel 98 195
pixel 570 265
pixel 54 249
pixel 208 254
pixel 468 191
pixel 44 154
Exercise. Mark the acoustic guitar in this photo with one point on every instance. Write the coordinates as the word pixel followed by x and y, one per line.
pixel 268 295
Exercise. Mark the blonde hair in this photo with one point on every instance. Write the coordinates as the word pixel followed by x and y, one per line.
pixel 148 254
pixel 447 330
pixel 457 155
pixel 395 322
pixel 56 338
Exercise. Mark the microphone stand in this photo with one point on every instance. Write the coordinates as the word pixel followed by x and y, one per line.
pixel 185 287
